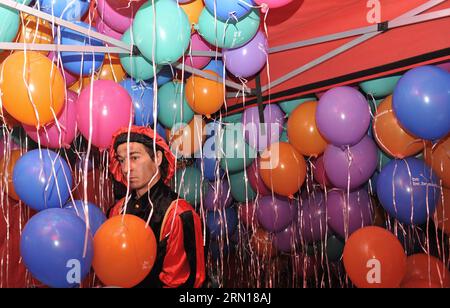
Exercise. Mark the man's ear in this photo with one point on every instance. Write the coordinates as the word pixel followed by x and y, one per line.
pixel 159 158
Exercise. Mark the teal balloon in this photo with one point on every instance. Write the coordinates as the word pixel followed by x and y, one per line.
pixel 381 87
pixel 240 191
pixel 236 153
pixel 289 106
pixel 26 2
pixel 335 248
pixel 9 24
pixel 383 159
pixel 173 109
pixel 234 118
pixel 188 184
pixel 137 66
pixel 233 34
pixel 284 136
pixel 171 37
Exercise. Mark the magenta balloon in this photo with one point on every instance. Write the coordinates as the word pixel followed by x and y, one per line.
pixel 274 213
pixel 218 195
pixel 118 16
pixel 249 59
pixel 197 44
pixel 445 66
pixel 355 164
pixel 255 179
pixel 349 213
pixel 313 218
pixel 103 28
pixel 343 116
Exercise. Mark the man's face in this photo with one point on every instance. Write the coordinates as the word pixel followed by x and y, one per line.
pixel 141 166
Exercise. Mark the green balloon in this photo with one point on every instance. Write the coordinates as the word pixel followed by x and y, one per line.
pixel 381 87
pixel 231 34
pixel 234 118
pixel 9 24
pixel 173 31
pixel 173 109
pixel 236 153
pixel 289 106
pixel 239 190
pixel 188 184
pixel 335 248
pixel 138 66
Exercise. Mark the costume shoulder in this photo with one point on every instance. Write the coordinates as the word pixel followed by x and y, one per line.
pixel 117 208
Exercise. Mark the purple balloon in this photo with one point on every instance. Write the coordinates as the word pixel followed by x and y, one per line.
pixel 348 212
pixel 249 59
pixel 273 126
pixel 357 163
pixel 218 195
pixel 313 218
pixel 287 240
pixel 274 213
pixel 343 116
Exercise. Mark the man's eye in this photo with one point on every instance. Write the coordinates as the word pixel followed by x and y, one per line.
pixel 134 158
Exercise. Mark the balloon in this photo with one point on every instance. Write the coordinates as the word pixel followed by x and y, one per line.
pixel 79 63
pixel 374 258
pixel 137 66
pixel 442 218
pixel 313 218
pixel 70 10
pixel 261 243
pixel 274 213
pixel 390 136
pixel 172 31
pixel 302 130
pixel 125 251
pixel 247 214
pixel 7 164
pixel 343 116
pixel 437 156
pixel 380 87
pixel 236 154
pixel 95 214
pixel 42 179
pixel 421 102
pixel 231 34
pixel 103 28
pixel 166 74
pixel 284 136
pixel 420 284
pixel 241 190
pixel 118 16
pixel 273 4
pixel 54 248
pixel 289 106
pixel 283 169
pixel 45 80
pixel 35 31
pixel 111 110
pixel 445 66
pixel 203 95
pixel 229 10
pixel 348 212
pixel 173 106
pixel 192 9
pixel 188 184
pixel 273 126
pixel 408 191
pixel 55 137
pixel 9 24
pixel 222 223
pixel 188 139
pixel 287 240
pixel 216 66
pixel 255 179
pixel 249 59
pixel 209 160
pixel 320 176
pixel 334 248
pixel 426 268
pixel 142 96
pixel 218 195
pixel 112 69
pixel 352 167
pixel 197 44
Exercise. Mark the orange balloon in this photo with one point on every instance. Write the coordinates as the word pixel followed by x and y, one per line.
pixel 6 171
pixel 188 139
pixel 442 214
pixel 35 31
pixel 420 284
pixel 438 157
pixel 283 169
pixel 303 132
pixel 193 10
pixel 112 69
pixel 124 251
pixel 9 121
pixel 204 96
pixel 42 82
pixel 390 136
pixel 374 258
pixel 427 268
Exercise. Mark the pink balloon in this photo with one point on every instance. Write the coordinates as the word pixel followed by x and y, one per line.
pixel 272 4
pixel 103 28
pixel 111 110
pixel 69 78
pixel 319 173
pixel 255 179
pixel 445 66
pixel 118 15
pixel 198 44
pixel 53 137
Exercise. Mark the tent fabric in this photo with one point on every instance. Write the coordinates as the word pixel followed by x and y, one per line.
pixel 391 52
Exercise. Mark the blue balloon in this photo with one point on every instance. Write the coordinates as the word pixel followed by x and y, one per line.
pixel 215 66
pixel 229 9
pixel 66 9
pixel 42 179
pixel 222 223
pixel 165 75
pixel 96 215
pixel 52 247
pixel 161 131
pixel 79 63
pixel 421 102
pixel 142 95
pixel 210 160
pixel 408 190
